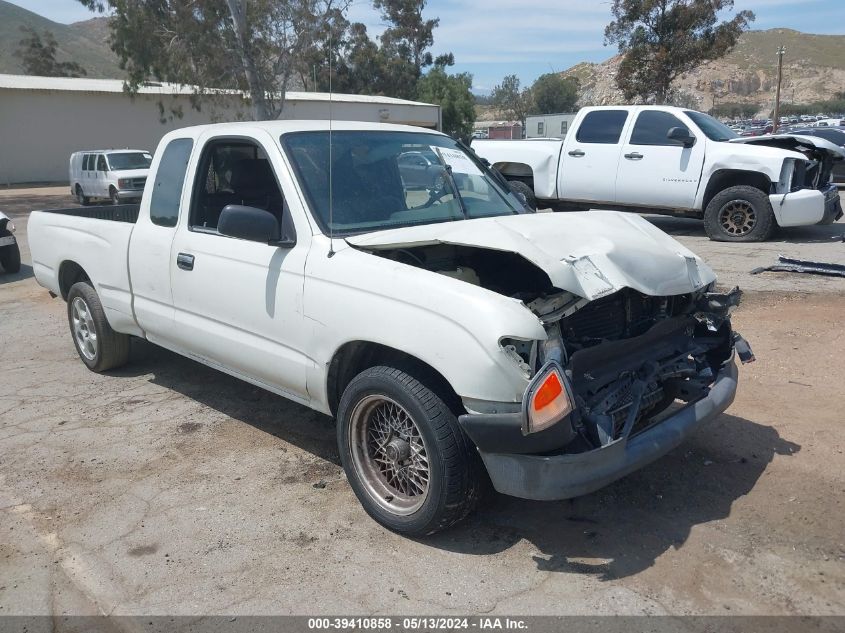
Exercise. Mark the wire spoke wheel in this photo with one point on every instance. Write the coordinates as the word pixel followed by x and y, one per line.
pixel 737 217
pixel 389 454
pixel 83 328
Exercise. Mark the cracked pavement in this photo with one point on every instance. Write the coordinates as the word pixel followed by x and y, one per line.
pixel 169 488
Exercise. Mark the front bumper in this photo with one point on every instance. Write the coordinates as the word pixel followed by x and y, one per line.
pixel 130 194
pixel 549 477
pixel 807 206
pixel 7 240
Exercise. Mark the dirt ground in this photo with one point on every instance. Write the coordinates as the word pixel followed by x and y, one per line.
pixel 169 488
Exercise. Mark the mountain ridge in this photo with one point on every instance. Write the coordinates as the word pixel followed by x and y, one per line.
pixel 85 43
pixel 814 70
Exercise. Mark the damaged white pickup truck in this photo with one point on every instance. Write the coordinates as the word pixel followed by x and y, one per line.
pixel 662 159
pixel 448 329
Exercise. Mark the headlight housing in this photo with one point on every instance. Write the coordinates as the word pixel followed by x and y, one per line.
pixel 124 183
pixel 10 226
pixel 548 399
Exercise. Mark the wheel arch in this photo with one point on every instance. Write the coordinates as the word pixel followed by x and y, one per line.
pixel 353 357
pixel 70 273
pixel 727 178
pixel 516 171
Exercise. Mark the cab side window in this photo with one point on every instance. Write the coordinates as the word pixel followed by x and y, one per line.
pixel 233 171
pixel 652 127
pixel 101 163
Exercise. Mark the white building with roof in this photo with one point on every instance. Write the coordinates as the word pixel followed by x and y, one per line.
pixel 45 119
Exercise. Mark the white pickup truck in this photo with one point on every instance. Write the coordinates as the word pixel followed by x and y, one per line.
pixel 661 159
pixel 447 328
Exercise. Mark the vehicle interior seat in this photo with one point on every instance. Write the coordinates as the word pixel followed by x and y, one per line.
pixel 252 184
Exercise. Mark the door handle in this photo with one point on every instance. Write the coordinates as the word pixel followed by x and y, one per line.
pixel 577 153
pixel 634 156
pixel 185 261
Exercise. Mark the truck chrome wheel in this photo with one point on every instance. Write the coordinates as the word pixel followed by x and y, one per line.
pixel 737 217
pixel 389 454
pixel 83 328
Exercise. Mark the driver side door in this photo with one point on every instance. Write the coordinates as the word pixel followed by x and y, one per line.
pixel 238 303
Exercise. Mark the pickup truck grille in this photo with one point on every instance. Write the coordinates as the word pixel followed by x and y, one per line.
pixel 138 183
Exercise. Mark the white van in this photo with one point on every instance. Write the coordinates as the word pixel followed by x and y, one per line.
pixel 115 174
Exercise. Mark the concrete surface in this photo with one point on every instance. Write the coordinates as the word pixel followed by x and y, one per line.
pixel 169 488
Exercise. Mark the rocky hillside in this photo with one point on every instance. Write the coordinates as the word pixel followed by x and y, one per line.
pixel 83 42
pixel 814 69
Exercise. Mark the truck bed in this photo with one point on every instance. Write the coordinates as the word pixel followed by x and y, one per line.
pixel 115 213
pixel 93 239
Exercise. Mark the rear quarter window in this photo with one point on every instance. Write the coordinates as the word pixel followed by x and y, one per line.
pixel 602 126
pixel 169 180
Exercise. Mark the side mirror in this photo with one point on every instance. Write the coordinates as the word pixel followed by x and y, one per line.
pixel 681 135
pixel 249 223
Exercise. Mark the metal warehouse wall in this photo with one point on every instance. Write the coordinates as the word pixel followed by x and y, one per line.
pixel 39 129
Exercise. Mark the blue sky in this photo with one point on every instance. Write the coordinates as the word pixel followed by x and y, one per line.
pixel 494 38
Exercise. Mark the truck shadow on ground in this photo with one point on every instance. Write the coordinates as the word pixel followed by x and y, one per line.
pixel 621 530
pixel 816 234
pixel 613 533
pixel 303 427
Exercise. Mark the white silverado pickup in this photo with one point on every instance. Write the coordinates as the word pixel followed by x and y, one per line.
pixel 447 328
pixel 661 159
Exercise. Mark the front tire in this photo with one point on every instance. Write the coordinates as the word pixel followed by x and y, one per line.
pixel 517 186
pixel 98 345
pixel 10 258
pixel 739 214
pixel 114 196
pixel 405 456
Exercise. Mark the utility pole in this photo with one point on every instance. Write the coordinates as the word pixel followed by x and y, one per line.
pixel 776 118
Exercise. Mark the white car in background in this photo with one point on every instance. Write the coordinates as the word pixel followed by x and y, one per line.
pixel 117 175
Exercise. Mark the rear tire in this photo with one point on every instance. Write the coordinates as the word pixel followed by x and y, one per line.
pixel 739 214
pixel 98 345
pixel 81 198
pixel 405 456
pixel 517 186
pixel 10 258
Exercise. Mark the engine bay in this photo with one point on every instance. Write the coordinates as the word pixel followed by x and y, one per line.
pixel 628 356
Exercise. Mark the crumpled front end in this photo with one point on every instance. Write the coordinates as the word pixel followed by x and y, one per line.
pixel 619 382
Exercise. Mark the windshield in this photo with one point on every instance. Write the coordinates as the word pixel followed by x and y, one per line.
pixel 382 180
pixel 129 160
pixel 713 129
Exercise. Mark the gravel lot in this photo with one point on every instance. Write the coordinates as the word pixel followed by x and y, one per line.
pixel 169 488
